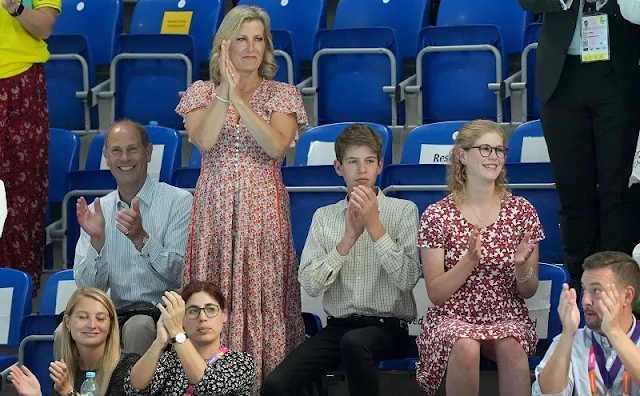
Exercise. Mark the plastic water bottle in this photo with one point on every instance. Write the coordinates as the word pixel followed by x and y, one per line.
pixel 89 386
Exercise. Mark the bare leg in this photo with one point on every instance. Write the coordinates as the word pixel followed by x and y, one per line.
pixel 463 370
pixel 513 366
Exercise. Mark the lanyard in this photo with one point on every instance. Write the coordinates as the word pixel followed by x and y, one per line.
pixel 223 349
pixel 596 357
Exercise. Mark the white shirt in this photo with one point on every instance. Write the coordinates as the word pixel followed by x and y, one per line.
pixel 630 10
pixel 578 371
pixel 131 275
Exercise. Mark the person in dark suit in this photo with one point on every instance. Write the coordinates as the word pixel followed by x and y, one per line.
pixel 591 118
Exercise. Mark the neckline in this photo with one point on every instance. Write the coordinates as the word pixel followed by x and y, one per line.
pixel 461 216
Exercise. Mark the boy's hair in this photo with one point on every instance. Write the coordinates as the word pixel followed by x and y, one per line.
pixel 358 135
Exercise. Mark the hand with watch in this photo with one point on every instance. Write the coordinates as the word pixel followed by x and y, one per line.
pixel 13 7
pixel 173 316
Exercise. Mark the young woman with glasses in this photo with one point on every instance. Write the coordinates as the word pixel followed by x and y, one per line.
pixel 198 363
pixel 479 249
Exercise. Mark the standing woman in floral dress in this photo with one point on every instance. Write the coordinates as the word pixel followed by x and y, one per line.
pixel 240 237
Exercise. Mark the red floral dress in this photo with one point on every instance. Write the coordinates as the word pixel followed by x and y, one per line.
pixel 487 306
pixel 240 234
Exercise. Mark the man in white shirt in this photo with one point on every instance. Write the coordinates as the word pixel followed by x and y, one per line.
pixel 132 240
pixel 361 255
pixel 604 357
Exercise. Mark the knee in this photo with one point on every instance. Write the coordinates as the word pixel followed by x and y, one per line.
pixel 465 354
pixel 510 354
pixel 353 344
pixel 139 325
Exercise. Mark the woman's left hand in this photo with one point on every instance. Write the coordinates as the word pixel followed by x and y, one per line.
pixel 173 312
pixel 524 250
pixel 231 75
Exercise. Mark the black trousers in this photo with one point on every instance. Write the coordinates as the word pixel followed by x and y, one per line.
pixel 356 341
pixel 591 131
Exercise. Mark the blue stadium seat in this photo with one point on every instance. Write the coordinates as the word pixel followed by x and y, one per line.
pixel 360 60
pixel 310 187
pixel 533 107
pixel 405 17
pixel 422 184
pixel 533 181
pixel 461 84
pixel 294 24
pixel 96 180
pixel 37 347
pixel 312 151
pixel 65 148
pixel 206 16
pixel 288 65
pixel 312 323
pixel 16 288
pixel 147 90
pixel 431 143
pixel 56 292
pixel 195 158
pixel 83 38
pixel 527 144
pixel 508 16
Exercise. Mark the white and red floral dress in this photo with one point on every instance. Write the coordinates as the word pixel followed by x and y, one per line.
pixel 240 234
pixel 487 306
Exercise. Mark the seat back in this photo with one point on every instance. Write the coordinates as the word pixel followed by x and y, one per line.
pixel 16 288
pixel 543 306
pixel 454 83
pixel 37 346
pixel 100 22
pixel 507 15
pixel 66 147
pixel 363 74
pixel 405 17
pixel 422 184
pixel 283 41
pixel 534 181
pixel 195 157
pixel 532 35
pixel 56 292
pixel 137 80
pixel 431 143
pixel 527 144
pixel 199 19
pixel 322 187
pixel 302 18
pixel 316 145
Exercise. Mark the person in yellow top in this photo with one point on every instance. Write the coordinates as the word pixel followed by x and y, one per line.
pixel 24 130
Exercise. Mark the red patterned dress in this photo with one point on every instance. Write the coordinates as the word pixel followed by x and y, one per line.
pixel 487 306
pixel 240 234
pixel 24 167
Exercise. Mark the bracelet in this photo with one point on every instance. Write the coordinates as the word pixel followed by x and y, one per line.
pixel 224 100
pixel 526 278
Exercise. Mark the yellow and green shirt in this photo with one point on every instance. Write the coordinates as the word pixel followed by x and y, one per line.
pixel 18 48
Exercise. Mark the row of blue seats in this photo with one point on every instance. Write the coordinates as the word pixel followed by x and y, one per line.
pixel 378 36
pixel 420 177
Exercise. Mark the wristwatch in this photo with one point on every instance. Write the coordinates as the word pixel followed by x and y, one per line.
pixel 180 338
pixel 18 10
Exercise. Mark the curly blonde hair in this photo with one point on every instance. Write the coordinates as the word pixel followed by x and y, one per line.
pixel 230 27
pixel 466 138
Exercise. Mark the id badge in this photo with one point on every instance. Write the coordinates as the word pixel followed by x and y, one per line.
pixel 594 38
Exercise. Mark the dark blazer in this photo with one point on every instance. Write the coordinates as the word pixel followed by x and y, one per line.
pixel 556 35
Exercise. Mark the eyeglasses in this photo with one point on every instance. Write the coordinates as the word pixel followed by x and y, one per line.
pixel 193 312
pixel 486 150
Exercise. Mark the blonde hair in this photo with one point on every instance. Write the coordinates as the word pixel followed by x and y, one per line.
pixel 111 356
pixel 230 27
pixel 465 139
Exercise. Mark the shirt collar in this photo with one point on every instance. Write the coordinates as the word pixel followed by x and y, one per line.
pixel 145 195
pixel 604 341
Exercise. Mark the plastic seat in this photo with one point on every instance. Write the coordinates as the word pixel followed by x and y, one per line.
pixel 462 84
pixel 532 106
pixel 431 143
pixel 56 292
pixel 527 144
pixel 15 294
pixel 316 145
pixel 294 24
pixel 83 37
